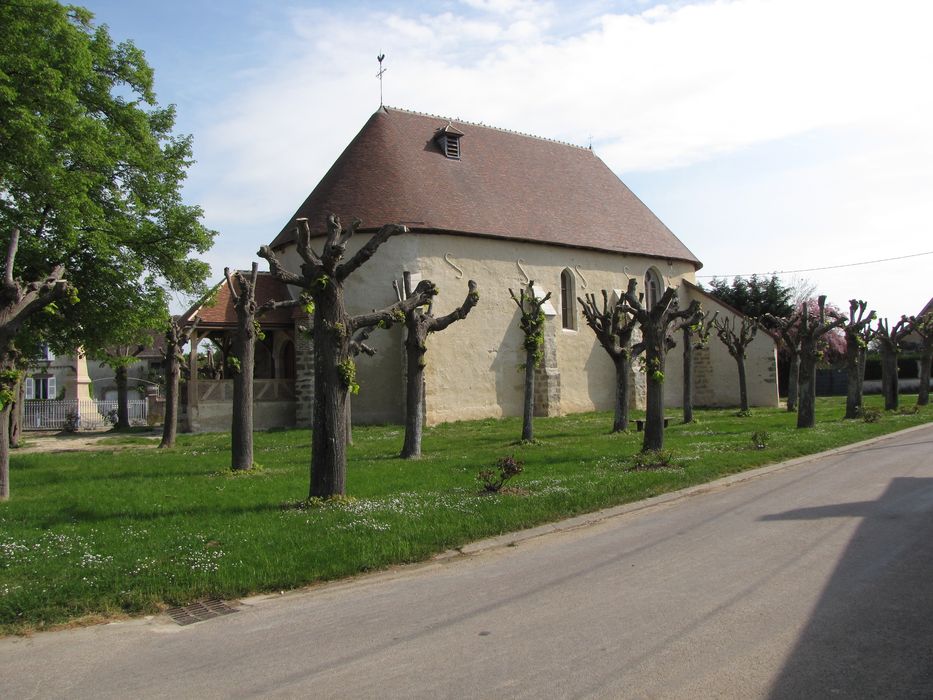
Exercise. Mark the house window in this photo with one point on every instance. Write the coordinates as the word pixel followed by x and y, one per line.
pixel 40 387
pixel 652 288
pixel 568 307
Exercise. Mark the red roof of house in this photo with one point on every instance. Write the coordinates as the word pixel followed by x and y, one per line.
pixel 505 185
pixel 219 312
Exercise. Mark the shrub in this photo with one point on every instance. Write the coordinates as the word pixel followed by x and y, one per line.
pixel 760 439
pixel 651 459
pixel 72 423
pixel 870 415
pixel 494 479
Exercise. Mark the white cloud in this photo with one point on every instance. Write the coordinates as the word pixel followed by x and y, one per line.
pixel 666 87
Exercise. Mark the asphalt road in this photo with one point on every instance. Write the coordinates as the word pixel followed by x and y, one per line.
pixel 809 580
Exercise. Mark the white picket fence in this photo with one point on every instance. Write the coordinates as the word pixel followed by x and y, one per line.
pixel 82 415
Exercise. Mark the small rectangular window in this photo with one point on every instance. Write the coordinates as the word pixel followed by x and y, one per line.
pixel 30 388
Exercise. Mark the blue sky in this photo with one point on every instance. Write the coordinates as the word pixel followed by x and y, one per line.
pixel 768 135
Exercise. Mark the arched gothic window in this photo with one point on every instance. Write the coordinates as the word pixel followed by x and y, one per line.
pixel 568 300
pixel 652 287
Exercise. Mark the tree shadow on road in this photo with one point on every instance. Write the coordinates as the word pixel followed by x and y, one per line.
pixel 871 632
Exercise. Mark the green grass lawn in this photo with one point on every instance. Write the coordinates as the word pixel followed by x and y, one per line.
pixel 93 535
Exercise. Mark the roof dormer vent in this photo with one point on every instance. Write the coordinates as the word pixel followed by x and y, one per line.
pixel 448 138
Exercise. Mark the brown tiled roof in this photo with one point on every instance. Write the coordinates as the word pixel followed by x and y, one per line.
pixel 506 185
pixel 219 311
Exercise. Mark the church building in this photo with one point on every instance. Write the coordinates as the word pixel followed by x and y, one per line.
pixel 501 208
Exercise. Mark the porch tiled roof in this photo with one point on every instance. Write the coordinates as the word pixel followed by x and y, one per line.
pixel 220 313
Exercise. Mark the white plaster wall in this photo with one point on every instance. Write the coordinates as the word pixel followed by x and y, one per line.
pixel 480 376
pixel 473 367
pixel 216 416
pixel 760 366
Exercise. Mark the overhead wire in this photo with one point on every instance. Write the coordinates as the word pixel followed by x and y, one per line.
pixel 816 269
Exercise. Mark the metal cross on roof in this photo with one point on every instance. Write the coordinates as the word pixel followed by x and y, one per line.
pixel 382 70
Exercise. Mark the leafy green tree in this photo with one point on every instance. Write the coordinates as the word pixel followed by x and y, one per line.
pixel 90 176
pixel 119 346
pixel 755 296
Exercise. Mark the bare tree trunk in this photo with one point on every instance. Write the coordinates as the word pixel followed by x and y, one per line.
pixel 743 384
pixel 623 366
pixel 793 381
pixel 322 277
pixel 654 400
pixel 811 331
pixel 528 408
pixel 419 324
pixel 241 434
pixel 16 417
pixel 806 417
pixel 614 325
pixel 414 396
pixel 737 337
pixel 170 424
pixel 889 380
pixel 858 332
pixel 5 451
pixel 688 373
pixel 123 409
pixel 349 407
pixel 923 398
pixel 331 357
pixel 532 324
pixel 855 369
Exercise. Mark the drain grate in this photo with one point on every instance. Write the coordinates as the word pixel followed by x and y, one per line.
pixel 199 611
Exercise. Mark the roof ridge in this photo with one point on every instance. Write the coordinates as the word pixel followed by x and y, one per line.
pixel 486 126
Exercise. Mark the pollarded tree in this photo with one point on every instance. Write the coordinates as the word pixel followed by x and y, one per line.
pixel 655 324
pixel 322 277
pixel 889 342
pixel 531 323
pixel 858 332
pixel 737 336
pixel 176 337
pixel 923 327
pixel 614 328
pixel 420 323
pixel 810 332
pixel 696 330
pixel 243 360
